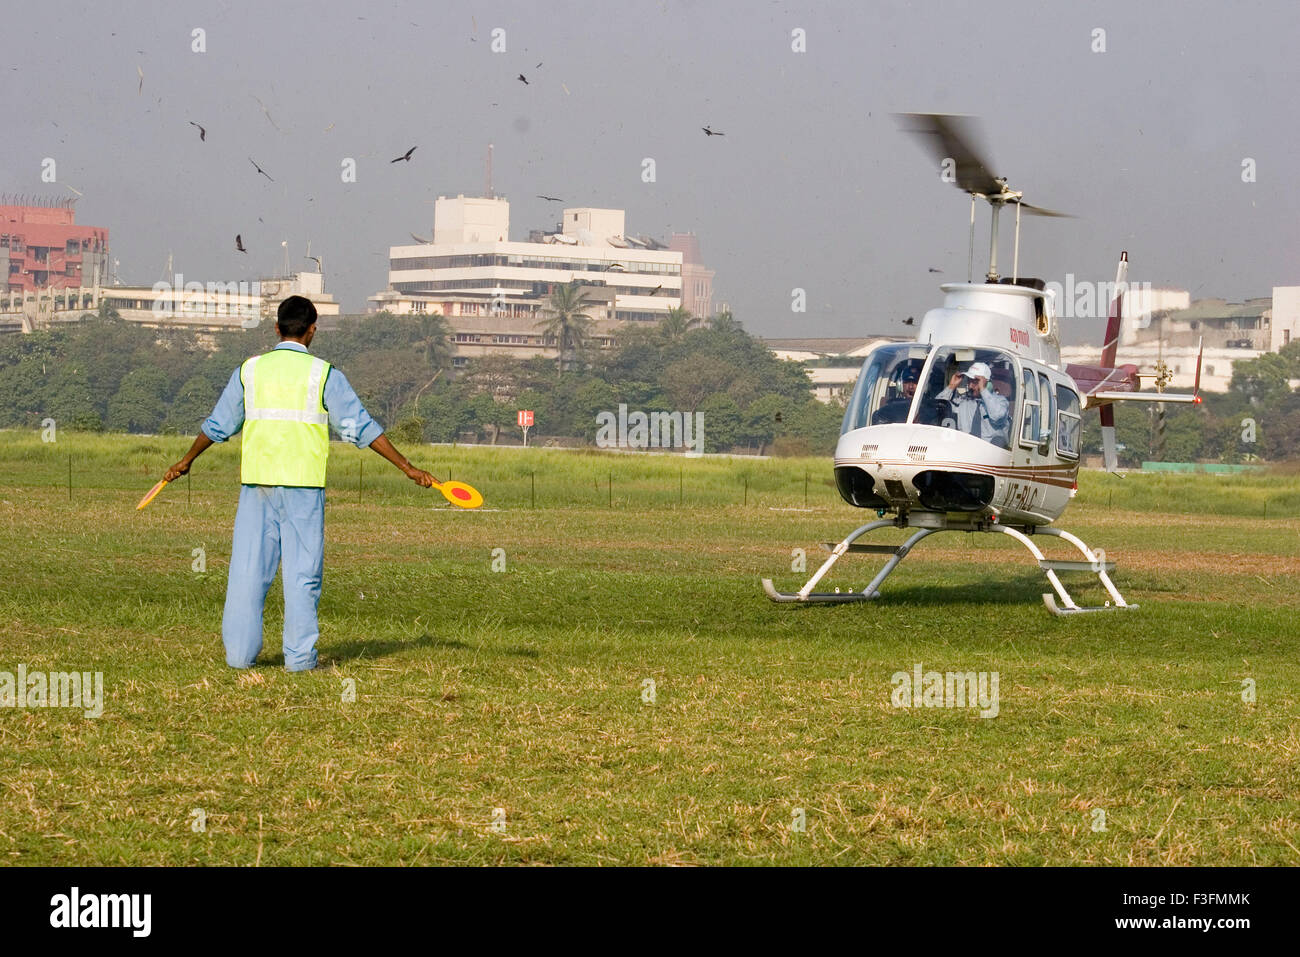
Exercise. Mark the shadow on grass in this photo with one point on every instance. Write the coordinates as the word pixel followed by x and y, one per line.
pixel 1020 590
pixel 357 648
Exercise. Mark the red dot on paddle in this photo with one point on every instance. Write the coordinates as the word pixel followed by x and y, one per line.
pixel 460 493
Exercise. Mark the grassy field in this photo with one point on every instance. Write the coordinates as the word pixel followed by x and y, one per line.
pixel 500 716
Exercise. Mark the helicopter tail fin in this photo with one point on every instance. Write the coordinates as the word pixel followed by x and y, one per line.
pixel 1110 456
pixel 1110 346
pixel 1200 354
pixel 1109 350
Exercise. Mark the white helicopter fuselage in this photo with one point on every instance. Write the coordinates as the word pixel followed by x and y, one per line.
pixel 910 455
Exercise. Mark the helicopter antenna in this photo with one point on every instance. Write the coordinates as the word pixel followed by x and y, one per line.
pixel 970 249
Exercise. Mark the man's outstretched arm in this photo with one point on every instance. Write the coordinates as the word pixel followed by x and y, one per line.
pixel 201 444
pixel 227 419
pixel 354 424
pixel 386 449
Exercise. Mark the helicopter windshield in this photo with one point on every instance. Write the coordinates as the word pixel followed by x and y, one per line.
pixel 971 390
pixel 886 386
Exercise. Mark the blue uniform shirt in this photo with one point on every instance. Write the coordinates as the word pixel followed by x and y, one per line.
pixel 347 415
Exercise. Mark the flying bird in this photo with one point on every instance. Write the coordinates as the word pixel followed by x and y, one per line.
pixel 550 199
pixel 266 111
pixel 522 79
pixel 405 156
pixel 239 243
pixel 910 321
pixel 140 89
pixel 656 289
pixel 259 169
pixel 709 132
pixel 932 269
pixel 203 134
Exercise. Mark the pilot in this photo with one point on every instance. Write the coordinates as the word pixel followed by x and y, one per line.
pixel 896 409
pixel 979 410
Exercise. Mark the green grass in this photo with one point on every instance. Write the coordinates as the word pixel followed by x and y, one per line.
pixel 522 690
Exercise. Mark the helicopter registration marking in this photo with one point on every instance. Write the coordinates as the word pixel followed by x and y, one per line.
pixel 1023 497
pixel 1019 337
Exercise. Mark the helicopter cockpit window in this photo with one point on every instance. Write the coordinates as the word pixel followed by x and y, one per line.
pixel 886 386
pixel 1067 422
pixel 973 391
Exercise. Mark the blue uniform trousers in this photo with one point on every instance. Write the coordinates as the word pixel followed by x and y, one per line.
pixel 275 526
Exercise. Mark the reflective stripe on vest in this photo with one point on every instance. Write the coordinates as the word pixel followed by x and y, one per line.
pixel 286 427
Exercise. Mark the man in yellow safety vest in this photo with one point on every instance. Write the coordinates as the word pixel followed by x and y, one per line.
pixel 284 401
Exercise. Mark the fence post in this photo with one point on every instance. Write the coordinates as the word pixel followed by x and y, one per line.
pixel 611 488
pixel 746 490
pixel 69 476
pixel 681 485
pixel 533 479
pixel 805 488
pixel 361 470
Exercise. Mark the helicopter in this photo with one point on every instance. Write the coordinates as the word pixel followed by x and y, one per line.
pixel 975 426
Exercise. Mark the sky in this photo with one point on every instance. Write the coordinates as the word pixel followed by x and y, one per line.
pixel 812 187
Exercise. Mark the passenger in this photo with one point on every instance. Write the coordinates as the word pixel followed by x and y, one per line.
pixel 896 409
pixel 978 409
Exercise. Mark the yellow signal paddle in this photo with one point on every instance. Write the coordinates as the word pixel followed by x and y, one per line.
pixel 151 495
pixel 458 493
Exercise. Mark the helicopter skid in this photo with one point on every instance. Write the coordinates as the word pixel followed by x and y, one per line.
pixel 1050 601
pixel 1059 604
pixel 824 597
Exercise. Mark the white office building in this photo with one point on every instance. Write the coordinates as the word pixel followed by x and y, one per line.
pixel 492 290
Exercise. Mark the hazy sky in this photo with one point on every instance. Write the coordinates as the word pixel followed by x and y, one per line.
pixel 812 186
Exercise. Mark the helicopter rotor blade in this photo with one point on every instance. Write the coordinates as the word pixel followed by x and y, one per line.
pixel 951 137
pixel 1040 211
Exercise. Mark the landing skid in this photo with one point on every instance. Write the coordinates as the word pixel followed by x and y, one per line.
pixel 1059 603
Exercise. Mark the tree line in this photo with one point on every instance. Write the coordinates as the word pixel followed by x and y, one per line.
pixel 103 373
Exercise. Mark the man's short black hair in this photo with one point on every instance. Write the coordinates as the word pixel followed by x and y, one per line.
pixel 296 315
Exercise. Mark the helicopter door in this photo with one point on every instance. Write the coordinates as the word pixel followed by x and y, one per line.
pixel 1048 413
pixel 1030 416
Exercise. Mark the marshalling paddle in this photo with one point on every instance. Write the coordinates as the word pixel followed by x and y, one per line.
pixel 151 495
pixel 458 493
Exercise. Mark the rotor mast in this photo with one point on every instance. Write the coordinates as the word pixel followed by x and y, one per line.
pixel 951 140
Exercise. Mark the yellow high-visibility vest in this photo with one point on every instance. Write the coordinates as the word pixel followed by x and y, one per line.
pixel 286 427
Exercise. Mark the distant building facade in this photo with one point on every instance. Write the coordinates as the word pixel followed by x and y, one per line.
pixel 492 291
pixel 697 279
pixel 1284 328
pixel 205 307
pixel 42 247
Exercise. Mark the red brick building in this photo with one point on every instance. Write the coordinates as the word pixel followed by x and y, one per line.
pixel 42 247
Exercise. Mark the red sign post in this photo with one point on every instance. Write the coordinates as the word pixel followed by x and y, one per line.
pixel 525 420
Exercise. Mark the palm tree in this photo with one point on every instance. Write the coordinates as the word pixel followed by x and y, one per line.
pixel 432 341
pixel 676 323
pixel 564 318
pixel 723 321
